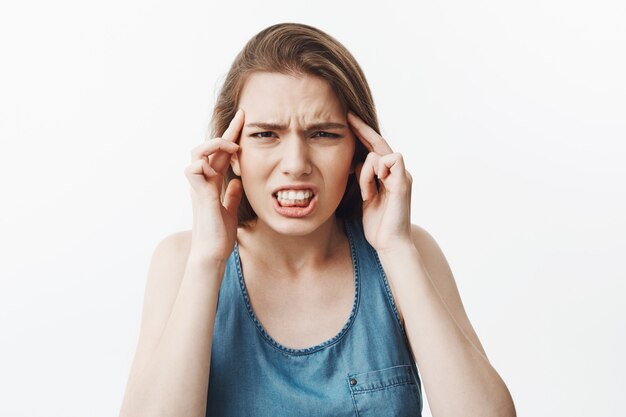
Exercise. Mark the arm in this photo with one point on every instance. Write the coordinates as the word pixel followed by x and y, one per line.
pixel 170 371
pixel 458 378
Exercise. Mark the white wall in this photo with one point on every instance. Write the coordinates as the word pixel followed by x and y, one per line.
pixel 510 117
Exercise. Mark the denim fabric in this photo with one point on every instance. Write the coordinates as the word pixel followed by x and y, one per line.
pixel 367 369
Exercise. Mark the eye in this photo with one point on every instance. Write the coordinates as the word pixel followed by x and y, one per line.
pixel 329 135
pixel 268 135
pixel 256 135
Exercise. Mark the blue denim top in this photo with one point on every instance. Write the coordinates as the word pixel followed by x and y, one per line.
pixel 367 369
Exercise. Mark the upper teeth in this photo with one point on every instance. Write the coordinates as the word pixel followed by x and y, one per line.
pixel 294 195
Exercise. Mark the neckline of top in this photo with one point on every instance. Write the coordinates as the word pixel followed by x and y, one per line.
pixel 348 225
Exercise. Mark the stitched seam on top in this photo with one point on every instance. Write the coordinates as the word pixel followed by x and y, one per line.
pixel 356 409
pixel 367 391
pixel 390 300
pixel 398 367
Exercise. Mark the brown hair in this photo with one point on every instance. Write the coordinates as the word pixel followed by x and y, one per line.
pixel 298 49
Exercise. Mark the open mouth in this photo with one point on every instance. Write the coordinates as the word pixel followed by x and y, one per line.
pixel 294 199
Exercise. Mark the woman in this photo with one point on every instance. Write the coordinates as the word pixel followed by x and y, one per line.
pixel 303 288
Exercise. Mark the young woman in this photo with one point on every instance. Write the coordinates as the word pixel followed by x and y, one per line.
pixel 303 288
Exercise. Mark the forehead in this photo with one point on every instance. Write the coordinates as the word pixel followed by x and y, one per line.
pixel 274 97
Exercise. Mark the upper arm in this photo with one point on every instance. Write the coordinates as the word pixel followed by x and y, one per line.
pixel 165 274
pixel 441 276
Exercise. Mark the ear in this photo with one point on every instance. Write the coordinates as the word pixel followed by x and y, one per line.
pixel 234 163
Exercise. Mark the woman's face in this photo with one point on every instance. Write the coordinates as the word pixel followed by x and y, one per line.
pixel 295 133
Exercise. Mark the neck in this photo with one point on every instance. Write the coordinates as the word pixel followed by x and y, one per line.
pixel 292 254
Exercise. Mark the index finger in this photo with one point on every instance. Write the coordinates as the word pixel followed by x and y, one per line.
pixel 219 161
pixel 232 131
pixel 370 138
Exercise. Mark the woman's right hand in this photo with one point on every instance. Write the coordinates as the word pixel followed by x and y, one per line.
pixel 215 224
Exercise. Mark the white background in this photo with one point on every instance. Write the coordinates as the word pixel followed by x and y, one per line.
pixel 510 117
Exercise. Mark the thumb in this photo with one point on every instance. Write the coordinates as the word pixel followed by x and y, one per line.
pixel 232 197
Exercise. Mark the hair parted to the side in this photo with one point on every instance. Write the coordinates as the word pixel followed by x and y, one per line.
pixel 298 49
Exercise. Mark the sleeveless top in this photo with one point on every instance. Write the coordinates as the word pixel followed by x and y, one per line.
pixel 367 369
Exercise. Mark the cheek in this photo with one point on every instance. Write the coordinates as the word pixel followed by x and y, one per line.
pixel 249 160
pixel 338 169
pixel 254 170
pixel 343 158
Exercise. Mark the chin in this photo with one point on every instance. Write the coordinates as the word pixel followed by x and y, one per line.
pixel 294 227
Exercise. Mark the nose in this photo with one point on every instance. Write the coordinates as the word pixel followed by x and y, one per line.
pixel 295 157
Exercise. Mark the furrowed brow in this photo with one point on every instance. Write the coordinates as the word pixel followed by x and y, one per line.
pixel 267 126
pixel 314 126
pixel 327 125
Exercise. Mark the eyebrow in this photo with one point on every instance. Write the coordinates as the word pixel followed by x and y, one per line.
pixel 314 126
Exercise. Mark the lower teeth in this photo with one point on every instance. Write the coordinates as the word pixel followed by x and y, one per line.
pixel 294 203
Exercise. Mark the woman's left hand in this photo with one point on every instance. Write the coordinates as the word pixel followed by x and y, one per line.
pixel 386 212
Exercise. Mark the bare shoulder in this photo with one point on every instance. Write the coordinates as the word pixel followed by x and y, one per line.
pixel 165 274
pixel 441 275
pixel 177 243
pixel 167 265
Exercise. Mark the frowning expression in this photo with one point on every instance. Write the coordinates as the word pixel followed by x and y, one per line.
pixel 295 134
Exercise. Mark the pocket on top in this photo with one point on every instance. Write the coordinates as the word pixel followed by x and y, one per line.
pixel 389 392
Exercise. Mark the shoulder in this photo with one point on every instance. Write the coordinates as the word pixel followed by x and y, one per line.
pixel 169 259
pixel 168 262
pixel 165 273
pixel 433 257
pixel 426 244
pixel 177 242
pixel 442 278
pixel 418 232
